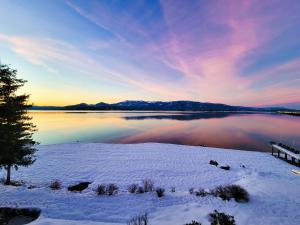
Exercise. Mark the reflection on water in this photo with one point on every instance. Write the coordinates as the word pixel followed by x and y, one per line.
pixel 226 130
pixel 181 116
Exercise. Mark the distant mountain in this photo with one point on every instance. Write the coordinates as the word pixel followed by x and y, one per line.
pixel 295 105
pixel 47 107
pixel 159 105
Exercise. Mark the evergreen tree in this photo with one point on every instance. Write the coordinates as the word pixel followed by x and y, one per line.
pixel 16 129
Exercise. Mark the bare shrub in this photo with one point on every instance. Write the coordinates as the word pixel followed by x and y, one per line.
pixel 133 188
pixel 140 190
pixel 201 193
pixel 238 193
pixel 148 185
pixel 141 219
pixel 173 189
pixel 222 192
pixel 160 192
pixel 55 185
pixel 107 189
pixel 101 189
pixel 232 191
pixel 217 218
pixel 112 189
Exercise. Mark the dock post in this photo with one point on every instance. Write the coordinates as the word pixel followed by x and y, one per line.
pixel 278 154
pixel 293 159
pixel 285 156
pixel 272 150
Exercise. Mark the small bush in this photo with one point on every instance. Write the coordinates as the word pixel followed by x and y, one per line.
pixel 238 193
pixel 213 162
pixel 217 218
pixel 55 185
pixel 191 191
pixel 107 189
pixel 194 222
pixel 173 189
pixel 133 188
pixel 139 220
pixel 232 191
pixel 101 189
pixel 140 190
pixel 112 189
pixel 225 167
pixel 148 185
pixel 222 192
pixel 160 192
pixel 201 193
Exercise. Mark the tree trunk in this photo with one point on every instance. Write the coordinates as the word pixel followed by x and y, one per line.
pixel 7 182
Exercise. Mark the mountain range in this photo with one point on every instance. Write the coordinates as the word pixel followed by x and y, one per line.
pixel 160 106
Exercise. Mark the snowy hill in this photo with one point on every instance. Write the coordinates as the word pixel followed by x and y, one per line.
pixel 273 189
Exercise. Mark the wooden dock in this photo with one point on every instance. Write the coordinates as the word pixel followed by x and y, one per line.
pixel 289 156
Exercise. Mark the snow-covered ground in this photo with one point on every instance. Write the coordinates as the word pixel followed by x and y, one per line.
pixel 274 190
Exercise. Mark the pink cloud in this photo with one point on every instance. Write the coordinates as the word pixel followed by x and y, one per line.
pixel 212 64
pixel 197 51
pixel 42 51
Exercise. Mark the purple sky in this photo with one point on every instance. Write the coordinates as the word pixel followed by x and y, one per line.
pixel 233 52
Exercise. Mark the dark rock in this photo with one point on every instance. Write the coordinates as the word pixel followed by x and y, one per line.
pixel 79 187
pixel 31 187
pixel 225 167
pixel 13 216
pixel 20 220
pixel 213 162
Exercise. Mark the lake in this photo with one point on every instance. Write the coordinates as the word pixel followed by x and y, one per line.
pixel 249 131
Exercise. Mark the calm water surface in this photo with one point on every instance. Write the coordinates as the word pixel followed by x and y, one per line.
pixel 226 130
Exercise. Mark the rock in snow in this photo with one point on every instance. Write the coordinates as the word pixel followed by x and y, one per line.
pixel 273 189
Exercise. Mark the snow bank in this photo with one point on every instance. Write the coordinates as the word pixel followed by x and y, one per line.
pixel 274 190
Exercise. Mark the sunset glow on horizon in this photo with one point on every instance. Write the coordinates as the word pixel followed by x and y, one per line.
pixel 233 52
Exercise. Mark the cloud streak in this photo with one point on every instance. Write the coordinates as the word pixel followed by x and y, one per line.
pixel 45 51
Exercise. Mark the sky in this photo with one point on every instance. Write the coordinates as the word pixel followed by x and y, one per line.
pixel 234 52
